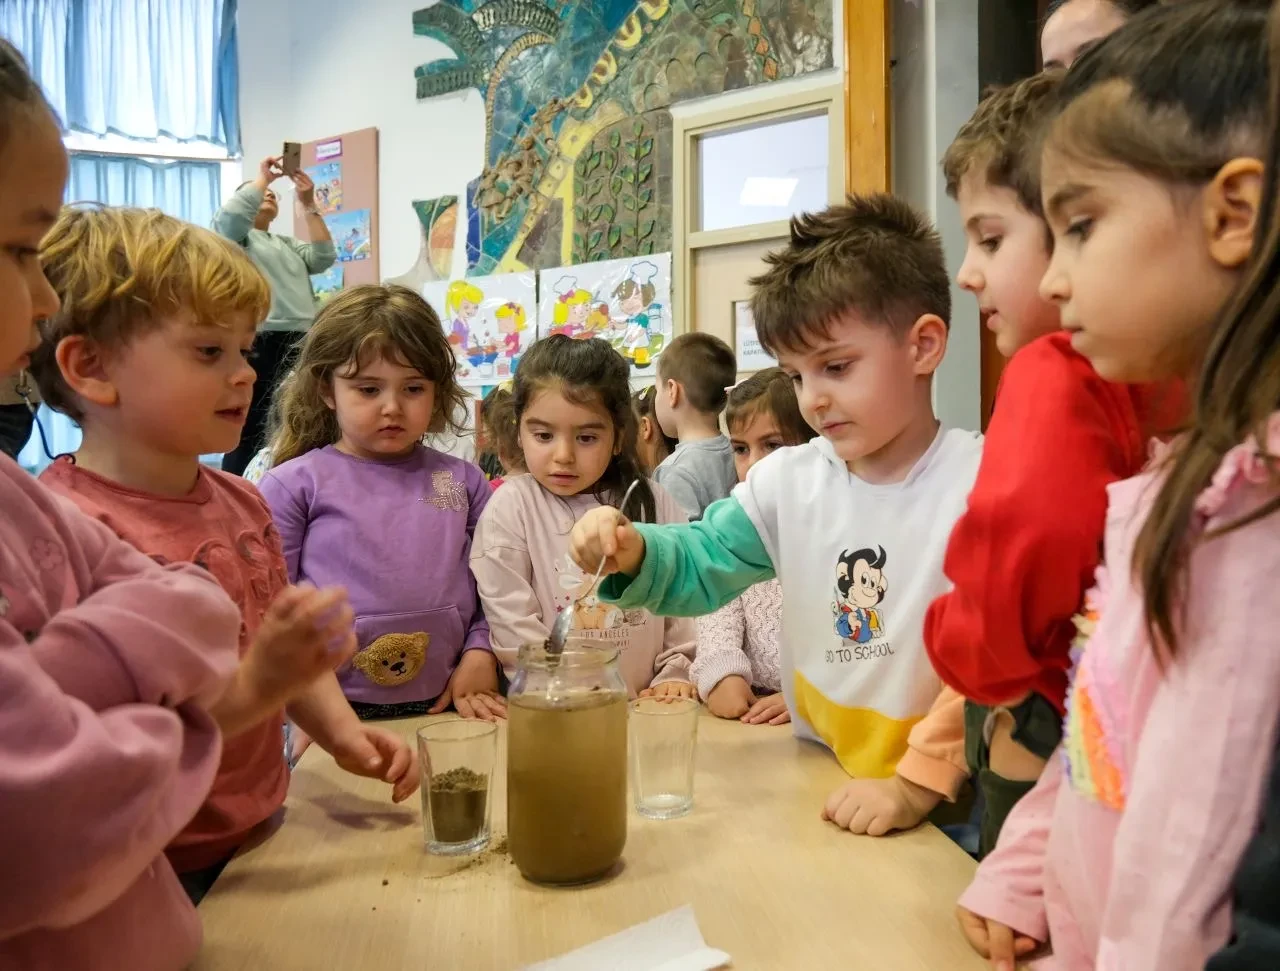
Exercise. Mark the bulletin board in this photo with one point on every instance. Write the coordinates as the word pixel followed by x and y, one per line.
pixel 345 170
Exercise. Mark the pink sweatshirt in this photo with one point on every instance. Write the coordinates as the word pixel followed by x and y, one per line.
pixel 1122 856
pixel 520 558
pixel 106 662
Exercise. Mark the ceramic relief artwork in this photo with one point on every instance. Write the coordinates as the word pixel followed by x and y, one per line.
pixel 577 161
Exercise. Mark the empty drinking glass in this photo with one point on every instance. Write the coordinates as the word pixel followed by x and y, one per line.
pixel 457 772
pixel 664 732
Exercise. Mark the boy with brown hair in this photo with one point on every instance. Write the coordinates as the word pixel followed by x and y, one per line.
pixel 1024 553
pixel 149 353
pixel 695 374
pixel 853 523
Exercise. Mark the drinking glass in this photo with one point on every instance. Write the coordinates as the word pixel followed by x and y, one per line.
pixel 458 759
pixel 664 732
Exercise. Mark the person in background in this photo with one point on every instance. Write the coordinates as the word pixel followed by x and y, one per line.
pixel 856 309
pixel 577 432
pixel 287 263
pixel 736 666
pixel 1072 26
pixel 651 443
pixel 155 381
pixel 1122 855
pixel 694 376
pixel 108 660
pixel 361 503
pixel 501 433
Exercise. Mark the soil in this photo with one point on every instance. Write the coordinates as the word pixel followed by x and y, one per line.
pixel 458 798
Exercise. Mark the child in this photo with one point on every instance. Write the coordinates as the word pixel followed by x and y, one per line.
pixel 736 667
pixel 361 502
pixel 573 409
pixel 854 523
pixel 498 418
pixel 107 660
pixel 694 377
pixel 1073 26
pixel 155 381
pixel 1024 552
pixel 1123 853
pixel 651 443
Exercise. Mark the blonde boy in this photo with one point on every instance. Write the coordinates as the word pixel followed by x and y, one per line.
pixel 149 353
pixel 854 523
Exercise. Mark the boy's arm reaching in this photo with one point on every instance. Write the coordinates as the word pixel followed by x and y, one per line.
pixel 679 570
pixel 935 748
pixel 1024 553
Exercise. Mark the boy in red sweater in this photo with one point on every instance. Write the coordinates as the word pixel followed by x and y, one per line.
pixel 1024 553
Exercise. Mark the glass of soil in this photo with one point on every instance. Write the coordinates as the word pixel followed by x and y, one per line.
pixel 567 763
pixel 458 759
pixel 664 732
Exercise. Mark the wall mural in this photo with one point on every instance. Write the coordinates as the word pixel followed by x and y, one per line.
pixel 577 138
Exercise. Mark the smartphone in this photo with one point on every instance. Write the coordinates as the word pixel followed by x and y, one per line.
pixel 291 158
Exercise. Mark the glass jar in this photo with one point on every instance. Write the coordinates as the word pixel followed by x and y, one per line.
pixel 567 763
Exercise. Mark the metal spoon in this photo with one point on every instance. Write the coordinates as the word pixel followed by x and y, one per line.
pixel 560 629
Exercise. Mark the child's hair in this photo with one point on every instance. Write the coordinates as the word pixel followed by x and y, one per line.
pixel 1174 94
pixel 629 288
pixel 590 372
pixel 1000 139
pixel 560 312
pixel 118 271
pixel 515 312
pixel 645 404
pixel 498 415
pixel 875 256
pixel 460 290
pixel 1239 386
pixel 769 392
pixel 18 90
pixel 355 328
pixel 704 366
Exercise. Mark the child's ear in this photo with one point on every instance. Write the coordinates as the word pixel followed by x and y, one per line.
pixel 326 395
pixel 927 341
pixel 672 388
pixel 84 369
pixel 1231 204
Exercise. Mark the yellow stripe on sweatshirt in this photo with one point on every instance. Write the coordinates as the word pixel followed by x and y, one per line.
pixel 868 744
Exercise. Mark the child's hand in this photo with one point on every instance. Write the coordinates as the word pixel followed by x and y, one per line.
pixel 305 633
pixel 605 533
pixel 769 710
pixel 376 753
pixel 473 688
pixel 731 697
pixel 997 942
pixel 670 689
pixel 879 806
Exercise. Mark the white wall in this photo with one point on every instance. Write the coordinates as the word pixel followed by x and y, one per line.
pixel 935 89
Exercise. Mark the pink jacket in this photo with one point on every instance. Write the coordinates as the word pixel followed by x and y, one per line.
pixel 1122 856
pixel 105 750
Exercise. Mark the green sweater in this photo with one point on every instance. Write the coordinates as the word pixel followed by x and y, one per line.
pixel 287 263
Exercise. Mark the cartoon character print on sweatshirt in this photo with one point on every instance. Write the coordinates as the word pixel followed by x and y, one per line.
pixel 591 616
pixel 244 569
pixel 393 659
pixel 860 587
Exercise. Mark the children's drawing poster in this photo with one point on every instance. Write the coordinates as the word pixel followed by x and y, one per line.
pixel 327 285
pixel 627 302
pixel 489 322
pixel 328 182
pixel 350 232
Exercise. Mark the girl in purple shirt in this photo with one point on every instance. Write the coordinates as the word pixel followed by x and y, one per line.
pixel 361 503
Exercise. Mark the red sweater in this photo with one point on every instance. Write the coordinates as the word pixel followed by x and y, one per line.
pixel 1024 553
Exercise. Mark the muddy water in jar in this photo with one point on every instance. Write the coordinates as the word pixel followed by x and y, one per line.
pixel 567 785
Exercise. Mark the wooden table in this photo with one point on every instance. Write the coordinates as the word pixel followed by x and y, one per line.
pixel 345 882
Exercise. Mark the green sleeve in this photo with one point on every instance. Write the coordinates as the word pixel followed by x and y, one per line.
pixel 691 569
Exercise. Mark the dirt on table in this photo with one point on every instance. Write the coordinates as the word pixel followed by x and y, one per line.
pixel 458 799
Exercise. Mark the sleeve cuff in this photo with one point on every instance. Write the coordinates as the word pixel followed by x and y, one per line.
pixel 936 775
pixel 711 668
pixel 986 899
pixel 676 669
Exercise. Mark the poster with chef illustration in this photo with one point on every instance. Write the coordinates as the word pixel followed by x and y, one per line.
pixel 489 322
pixel 626 302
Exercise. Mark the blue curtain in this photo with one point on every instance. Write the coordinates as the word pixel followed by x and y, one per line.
pixel 188 190
pixel 138 68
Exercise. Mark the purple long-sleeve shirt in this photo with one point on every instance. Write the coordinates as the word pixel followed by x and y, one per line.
pixel 397 536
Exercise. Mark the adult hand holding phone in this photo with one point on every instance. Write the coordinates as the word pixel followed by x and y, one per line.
pixel 269 169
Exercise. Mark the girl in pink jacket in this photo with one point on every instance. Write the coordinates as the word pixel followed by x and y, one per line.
pixel 106 662
pixel 1121 858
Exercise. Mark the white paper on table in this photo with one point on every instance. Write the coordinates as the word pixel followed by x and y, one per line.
pixel 669 942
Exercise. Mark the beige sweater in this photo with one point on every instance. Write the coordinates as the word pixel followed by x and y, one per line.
pixel 525 577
